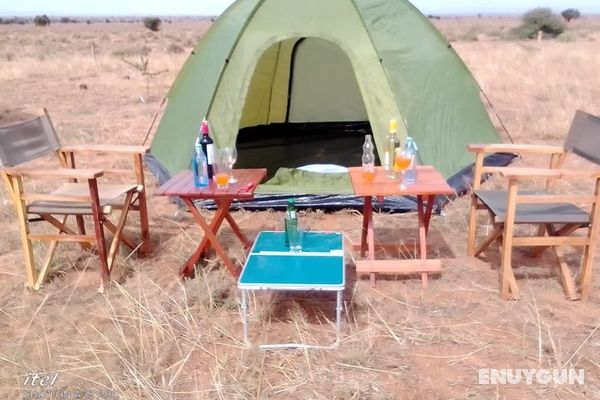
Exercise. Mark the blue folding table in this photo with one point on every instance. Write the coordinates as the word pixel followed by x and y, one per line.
pixel 271 266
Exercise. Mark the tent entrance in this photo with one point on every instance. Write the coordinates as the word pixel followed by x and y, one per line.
pixel 303 106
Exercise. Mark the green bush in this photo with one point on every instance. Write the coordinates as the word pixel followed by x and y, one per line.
pixel 152 23
pixel 539 19
pixel 570 13
pixel 41 20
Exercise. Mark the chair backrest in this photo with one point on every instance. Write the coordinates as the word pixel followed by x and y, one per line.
pixel 584 136
pixel 25 141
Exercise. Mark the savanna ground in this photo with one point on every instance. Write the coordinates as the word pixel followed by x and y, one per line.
pixel 152 336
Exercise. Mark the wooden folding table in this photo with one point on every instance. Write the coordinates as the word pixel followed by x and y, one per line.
pixel 182 186
pixel 428 185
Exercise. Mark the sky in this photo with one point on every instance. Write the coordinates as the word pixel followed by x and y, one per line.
pixel 215 7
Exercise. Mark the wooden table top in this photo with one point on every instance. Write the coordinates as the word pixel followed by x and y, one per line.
pixel 429 182
pixel 182 185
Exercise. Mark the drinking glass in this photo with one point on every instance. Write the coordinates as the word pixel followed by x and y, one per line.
pixel 401 163
pixel 295 237
pixel 232 155
pixel 222 169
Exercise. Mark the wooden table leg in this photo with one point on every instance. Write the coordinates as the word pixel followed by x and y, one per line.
pixel 365 226
pixel 368 232
pixel 210 237
pixel 238 232
pixel 424 215
pixel 188 267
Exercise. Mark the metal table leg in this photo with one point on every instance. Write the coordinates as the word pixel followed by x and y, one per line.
pixel 245 315
pixel 338 316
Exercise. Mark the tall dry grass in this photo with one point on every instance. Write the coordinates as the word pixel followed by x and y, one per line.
pixel 154 337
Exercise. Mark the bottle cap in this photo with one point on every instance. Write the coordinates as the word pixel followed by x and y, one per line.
pixel 393 125
pixel 204 127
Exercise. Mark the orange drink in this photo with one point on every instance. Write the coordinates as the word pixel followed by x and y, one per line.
pixel 368 175
pixel 401 163
pixel 222 179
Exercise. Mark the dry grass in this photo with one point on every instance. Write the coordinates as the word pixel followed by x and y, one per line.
pixel 154 337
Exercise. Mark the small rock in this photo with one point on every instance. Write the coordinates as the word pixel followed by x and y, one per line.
pixel 83 86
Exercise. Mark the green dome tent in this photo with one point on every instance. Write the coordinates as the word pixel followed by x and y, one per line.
pixel 278 62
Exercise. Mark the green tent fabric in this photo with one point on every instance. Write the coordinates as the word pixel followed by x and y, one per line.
pixel 296 181
pixel 311 61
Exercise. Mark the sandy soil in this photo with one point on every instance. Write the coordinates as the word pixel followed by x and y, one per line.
pixel 152 336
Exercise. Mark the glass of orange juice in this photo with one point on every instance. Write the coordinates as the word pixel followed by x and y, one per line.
pixel 222 168
pixel 402 161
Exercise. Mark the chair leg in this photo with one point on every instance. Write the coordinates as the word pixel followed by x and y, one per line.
pixel 118 237
pixel 21 207
pixel 81 229
pixel 472 227
pixel 30 270
pixel 508 284
pixel 50 253
pixel 509 289
pixel 586 271
pixel 565 275
pixel 99 230
pixel 492 237
pixel 146 248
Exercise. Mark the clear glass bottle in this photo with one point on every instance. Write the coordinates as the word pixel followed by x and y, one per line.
pixel 410 176
pixel 368 159
pixel 391 144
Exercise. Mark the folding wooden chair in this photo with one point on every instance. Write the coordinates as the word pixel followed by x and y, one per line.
pixel 82 196
pixel 556 216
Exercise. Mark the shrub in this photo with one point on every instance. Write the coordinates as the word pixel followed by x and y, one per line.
pixel 539 19
pixel 41 20
pixel 152 23
pixel 566 37
pixel 570 13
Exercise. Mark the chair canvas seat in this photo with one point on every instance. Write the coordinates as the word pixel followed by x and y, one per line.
pixel 111 196
pixel 552 213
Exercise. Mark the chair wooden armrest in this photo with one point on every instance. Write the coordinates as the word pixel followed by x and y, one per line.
pixel 105 148
pixel 515 148
pixel 517 173
pixel 69 173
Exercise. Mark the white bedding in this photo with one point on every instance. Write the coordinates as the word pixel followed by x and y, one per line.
pixel 324 168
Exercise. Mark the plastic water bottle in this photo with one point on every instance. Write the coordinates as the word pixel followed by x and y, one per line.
pixel 410 176
pixel 200 166
pixel 368 159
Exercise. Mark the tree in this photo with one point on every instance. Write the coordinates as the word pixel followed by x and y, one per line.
pixel 570 13
pixel 539 19
pixel 152 23
pixel 41 20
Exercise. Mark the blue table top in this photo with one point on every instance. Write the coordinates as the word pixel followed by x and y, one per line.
pixel 320 265
pixel 312 242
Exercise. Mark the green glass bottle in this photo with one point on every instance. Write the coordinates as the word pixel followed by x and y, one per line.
pixel 291 220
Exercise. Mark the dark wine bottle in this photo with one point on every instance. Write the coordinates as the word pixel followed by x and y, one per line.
pixel 208 147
